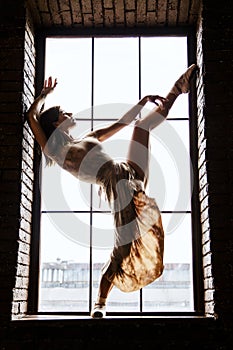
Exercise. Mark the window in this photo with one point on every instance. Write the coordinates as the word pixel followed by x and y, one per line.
pixel 99 79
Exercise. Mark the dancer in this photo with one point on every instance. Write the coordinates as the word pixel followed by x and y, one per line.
pixel 137 256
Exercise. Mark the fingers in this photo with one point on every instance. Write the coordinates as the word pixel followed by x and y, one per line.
pixel 55 83
pixel 153 99
pixel 159 101
pixel 162 99
pixel 49 83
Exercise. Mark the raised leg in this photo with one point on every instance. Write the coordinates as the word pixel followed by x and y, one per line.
pixel 138 153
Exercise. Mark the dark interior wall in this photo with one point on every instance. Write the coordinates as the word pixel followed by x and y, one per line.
pixel 214 113
pixel 11 107
pixel 216 127
pixel 17 152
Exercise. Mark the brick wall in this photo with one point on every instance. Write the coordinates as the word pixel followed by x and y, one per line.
pixel 20 292
pixel 16 159
pixel 214 90
pixel 11 88
pixel 218 57
pixel 203 179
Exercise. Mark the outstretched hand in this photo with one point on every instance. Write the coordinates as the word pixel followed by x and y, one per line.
pixel 154 98
pixel 49 86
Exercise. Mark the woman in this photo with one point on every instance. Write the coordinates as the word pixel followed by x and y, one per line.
pixel 137 257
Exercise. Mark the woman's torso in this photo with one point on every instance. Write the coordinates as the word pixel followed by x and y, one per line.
pixel 83 158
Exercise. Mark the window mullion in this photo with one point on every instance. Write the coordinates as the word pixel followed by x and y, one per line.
pixel 139 95
pixel 91 189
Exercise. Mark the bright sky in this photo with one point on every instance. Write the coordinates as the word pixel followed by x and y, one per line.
pixel 115 90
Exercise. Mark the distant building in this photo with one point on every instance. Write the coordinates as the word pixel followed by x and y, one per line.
pixel 64 286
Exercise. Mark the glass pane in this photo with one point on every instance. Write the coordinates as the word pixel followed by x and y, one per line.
pixel 163 60
pixel 64 262
pixel 117 145
pixel 119 301
pixel 178 239
pixel 111 111
pixel 115 71
pixel 173 291
pixel 170 166
pixel 103 240
pixel 102 230
pixel 70 61
pixel 61 191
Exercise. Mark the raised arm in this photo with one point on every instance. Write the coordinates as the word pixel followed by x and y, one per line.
pixel 104 133
pixel 34 112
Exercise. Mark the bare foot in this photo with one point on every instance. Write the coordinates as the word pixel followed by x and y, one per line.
pixel 182 85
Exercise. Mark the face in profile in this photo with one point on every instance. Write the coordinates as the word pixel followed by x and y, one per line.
pixel 65 121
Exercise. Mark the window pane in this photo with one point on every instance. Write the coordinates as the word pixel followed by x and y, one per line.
pixel 163 60
pixel 102 230
pixel 170 166
pixel 173 291
pixel 178 242
pixel 117 145
pixel 103 239
pixel 119 301
pixel 116 71
pixel 61 191
pixel 102 242
pixel 69 60
pixel 64 263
